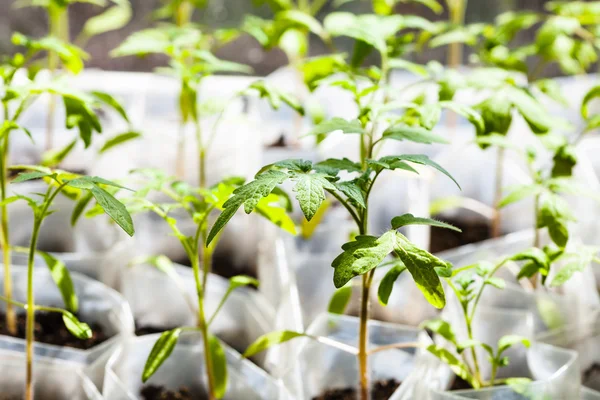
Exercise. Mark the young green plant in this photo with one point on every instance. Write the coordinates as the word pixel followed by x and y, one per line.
pixel 199 203
pixel 114 17
pixel 58 182
pixel 378 121
pixel 17 97
pixel 190 60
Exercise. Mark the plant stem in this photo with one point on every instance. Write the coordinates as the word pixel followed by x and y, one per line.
pixel 493 376
pixel 183 14
pixel 201 156
pixel 11 318
pixel 536 236
pixel 180 157
pixel 456 9
pixel 363 352
pixel 29 337
pixel 496 223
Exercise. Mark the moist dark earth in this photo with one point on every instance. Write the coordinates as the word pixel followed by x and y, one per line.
pixel 222 265
pixel 473 230
pixel 460 384
pixel 50 329
pixel 381 390
pixel 153 392
pixel 591 377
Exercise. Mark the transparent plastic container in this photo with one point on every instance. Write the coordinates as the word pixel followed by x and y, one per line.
pixel 97 303
pixel 554 373
pixel 158 301
pixel 184 367
pixel 52 379
pixel 319 367
pixel 92 247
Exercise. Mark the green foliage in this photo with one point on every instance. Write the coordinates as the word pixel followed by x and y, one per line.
pixel 340 299
pixel 387 283
pixel 160 352
pixel 270 339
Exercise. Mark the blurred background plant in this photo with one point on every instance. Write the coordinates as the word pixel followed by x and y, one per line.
pixel 223 14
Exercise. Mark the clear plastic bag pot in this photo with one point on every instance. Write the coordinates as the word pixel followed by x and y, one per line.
pixel 584 339
pixel 554 373
pixel 184 367
pixel 319 367
pixel 160 302
pixel 475 171
pixel 91 247
pixel 97 304
pixel 568 305
pixel 52 379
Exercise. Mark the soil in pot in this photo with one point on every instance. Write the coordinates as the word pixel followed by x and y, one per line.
pixel 591 377
pixel 474 229
pixel 50 329
pixel 460 384
pixel 154 392
pixel 381 390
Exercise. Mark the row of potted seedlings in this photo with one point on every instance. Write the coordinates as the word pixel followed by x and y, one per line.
pixel 254 314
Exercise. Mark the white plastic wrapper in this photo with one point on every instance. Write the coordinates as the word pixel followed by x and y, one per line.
pixel 319 367
pixel 184 368
pixel 97 303
pixel 52 379
pixel 159 301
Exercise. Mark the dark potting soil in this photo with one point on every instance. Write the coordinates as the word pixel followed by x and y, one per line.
pixel 460 384
pixel 473 230
pixel 50 329
pixel 591 376
pixel 153 392
pixel 381 390
pixel 280 142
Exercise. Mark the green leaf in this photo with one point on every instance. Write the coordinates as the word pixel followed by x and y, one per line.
pixel 270 339
pixel 508 341
pixel 457 366
pixel 353 191
pixel 242 280
pixel 160 352
pixel 333 166
pixel 275 97
pixel 429 115
pixel 409 219
pixel 310 191
pixel 578 262
pixel 338 124
pixel 424 160
pixel 114 209
pixel 111 102
pixel 62 278
pixel 415 134
pixel 360 256
pixel 248 195
pixel 52 158
pixel 218 366
pixel 496 112
pixel 417 69
pixel 467 112
pixel 112 19
pixel 534 113
pixel 496 282
pixel 565 160
pixel 77 328
pixel 591 95
pixel 340 299
pixel 554 214
pixel 272 209
pixel 119 139
pixel 552 89
pixel 387 283
pixel 519 193
pixel 422 266
pixel 304 20
pixel 27 176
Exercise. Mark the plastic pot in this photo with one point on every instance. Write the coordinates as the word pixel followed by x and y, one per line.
pixel 319 367
pixel 92 247
pixel 97 304
pixel 157 301
pixel 554 373
pixel 184 367
pixel 52 379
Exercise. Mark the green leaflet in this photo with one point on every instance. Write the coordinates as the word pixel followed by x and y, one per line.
pixel 270 339
pixel 387 283
pixel 310 191
pixel 339 300
pixel 160 352
pixel 119 139
pixel 114 208
pixel 457 366
pixel 519 193
pixel 338 124
pixel 415 134
pixel 61 276
pixel 77 328
pixel 409 219
pixel 248 195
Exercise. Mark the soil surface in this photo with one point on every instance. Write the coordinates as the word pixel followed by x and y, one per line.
pixel 381 390
pixel 50 329
pixel 460 384
pixel 141 330
pixel 473 230
pixel 591 377
pixel 153 392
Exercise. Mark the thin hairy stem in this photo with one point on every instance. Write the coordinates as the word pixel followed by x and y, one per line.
pixel 496 222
